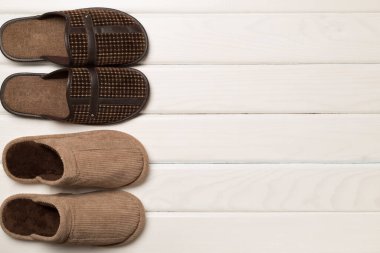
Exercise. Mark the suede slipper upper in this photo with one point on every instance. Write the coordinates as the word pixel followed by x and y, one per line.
pixel 83 37
pixel 105 158
pixel 102 95
pixel 97 218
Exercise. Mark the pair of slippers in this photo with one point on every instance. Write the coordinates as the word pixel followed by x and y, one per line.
pixel 103 159
pixel 93 42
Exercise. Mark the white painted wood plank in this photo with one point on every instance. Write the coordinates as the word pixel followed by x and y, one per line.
pixel 255 89
pixel 241 233
pixel 210 6
pixel 262 233
pixel 247 187
pixel 259 38
pixel 235 138
pixel 264 89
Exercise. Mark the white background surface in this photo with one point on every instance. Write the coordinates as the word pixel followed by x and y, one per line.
pixel 263 125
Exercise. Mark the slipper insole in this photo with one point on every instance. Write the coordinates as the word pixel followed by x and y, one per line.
pixel 26 217
pixel 29 159
pixel 33 38
pixel 36 96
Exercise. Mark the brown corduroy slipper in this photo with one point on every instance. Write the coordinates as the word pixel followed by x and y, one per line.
pixel 83 37
pixel 102 95
pixel 97 218
pixel 105 158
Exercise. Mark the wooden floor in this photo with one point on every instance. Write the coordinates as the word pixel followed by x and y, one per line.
pixel 263 126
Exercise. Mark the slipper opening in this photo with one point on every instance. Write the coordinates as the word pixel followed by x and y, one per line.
pixel 32 38
pixel 25 217
pixel 28 159
pixel 32 95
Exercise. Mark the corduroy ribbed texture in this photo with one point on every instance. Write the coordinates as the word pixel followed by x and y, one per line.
pixel 105 158
pixel 123 163
pixel 97 218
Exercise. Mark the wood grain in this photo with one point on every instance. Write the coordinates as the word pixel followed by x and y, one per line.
pixel 242 159
pixel 210 6
pixel 317 138
pixel 351 88
pixel 259 38
pixel 263 187
pixel 240 232
pixel 247 187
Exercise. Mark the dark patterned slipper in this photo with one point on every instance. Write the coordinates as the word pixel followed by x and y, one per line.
pixel 97 96
pixel 83 37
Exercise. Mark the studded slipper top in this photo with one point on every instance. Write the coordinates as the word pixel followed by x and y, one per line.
pixel 82 37
pixel 101 95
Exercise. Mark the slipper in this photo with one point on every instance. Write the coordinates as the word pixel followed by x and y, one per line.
pixel 97 218
pixel 102 158
pixel 97 96
pixel 82 37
